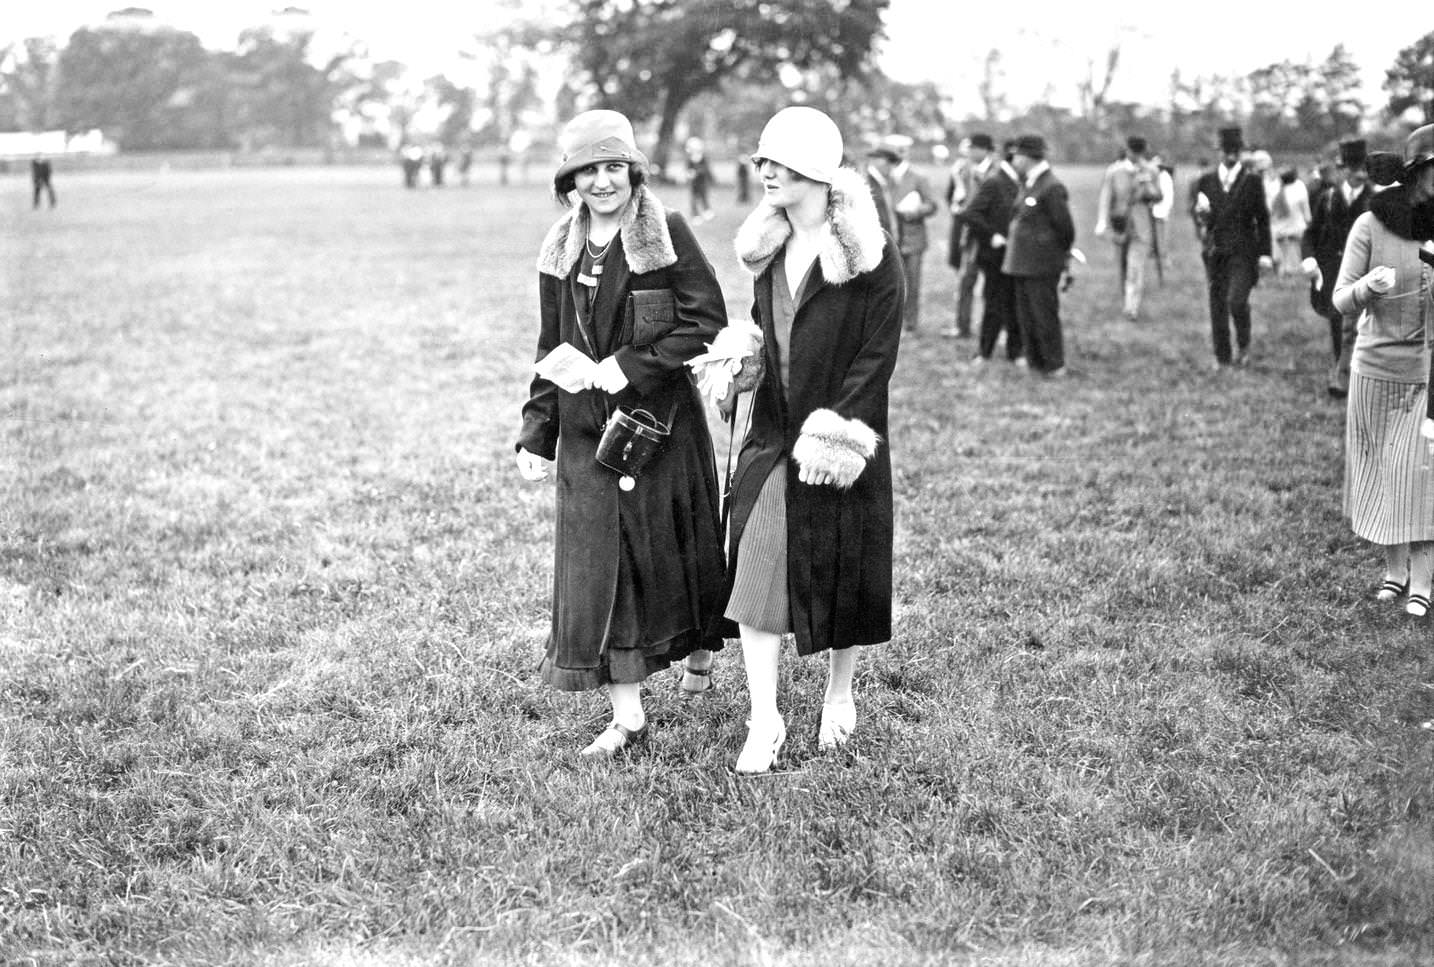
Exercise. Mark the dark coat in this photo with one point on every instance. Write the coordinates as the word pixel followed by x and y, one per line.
pixel 1238 223
pixel 1331 218
pixel 989 214
pixel 1042 231
pixel 844 341
pixel 668 525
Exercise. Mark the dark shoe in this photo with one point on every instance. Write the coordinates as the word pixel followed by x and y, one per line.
pixel 1242 358
pixel 614 739
pixel 695 681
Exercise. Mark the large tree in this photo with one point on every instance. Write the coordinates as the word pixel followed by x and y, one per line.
pixel 289 87
pixel 1410 81
pixel 650 58
pixel 28 78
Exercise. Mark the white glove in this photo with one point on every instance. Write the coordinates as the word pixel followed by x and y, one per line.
pixel 1380 279
pixel 1309 267
pixel 531 466
pixel 998 240
pixel 609 377
pixel 1426 429
pixel 1202 203
pixel 1266 262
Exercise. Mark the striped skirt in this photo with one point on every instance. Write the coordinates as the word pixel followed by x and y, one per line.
pixel 759 587
pixel 1388 481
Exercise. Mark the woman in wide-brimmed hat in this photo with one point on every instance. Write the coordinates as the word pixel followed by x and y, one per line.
pixel 638 565
pixel 810 546
pixel 1389 487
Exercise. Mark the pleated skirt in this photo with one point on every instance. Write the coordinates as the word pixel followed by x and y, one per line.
pixel 759 586
pixel 1388 471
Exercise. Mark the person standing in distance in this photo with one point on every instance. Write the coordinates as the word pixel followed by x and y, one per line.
pixel 637 563
pixel 1233 221
pixel 1333 210
pixel 810 545
pixel 1038 254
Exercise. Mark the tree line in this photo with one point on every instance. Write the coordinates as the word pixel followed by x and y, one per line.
pixel 678 66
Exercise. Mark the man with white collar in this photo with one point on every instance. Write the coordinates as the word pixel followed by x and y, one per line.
pixel 976 163
pixel 987 221
pixel 912 203
pixel 1332 214
pixel 1233 220
pixel 1124 212
pixel 1037 255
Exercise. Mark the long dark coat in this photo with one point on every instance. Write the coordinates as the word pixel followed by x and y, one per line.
pixel 844 342
pixel 668 526
pixel 1331 218
pixel 1041 230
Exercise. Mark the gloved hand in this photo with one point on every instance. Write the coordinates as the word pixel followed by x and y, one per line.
pixel 1380 279
pixel 1312 272
pixel 1266 263
pixel 531 466
pixel 998 240
pixel 609 377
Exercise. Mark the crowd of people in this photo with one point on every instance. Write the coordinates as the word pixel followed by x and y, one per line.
pixel 657 565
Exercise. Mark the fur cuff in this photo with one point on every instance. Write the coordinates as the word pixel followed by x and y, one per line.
pixel 833 445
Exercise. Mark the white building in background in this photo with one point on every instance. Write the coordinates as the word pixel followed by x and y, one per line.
pixel 27 144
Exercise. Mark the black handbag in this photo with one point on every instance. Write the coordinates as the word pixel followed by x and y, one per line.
pixel 631 438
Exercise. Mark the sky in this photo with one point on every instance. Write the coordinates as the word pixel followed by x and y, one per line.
pixel 1047 45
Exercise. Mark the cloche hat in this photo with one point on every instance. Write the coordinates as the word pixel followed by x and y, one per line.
pixel 595 136
pixel 804 140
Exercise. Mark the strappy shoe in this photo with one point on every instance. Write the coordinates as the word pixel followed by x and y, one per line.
pixel 695 681
pixel 614 739
pixel 838 723
pixel 1418 605
pixel 1391 590
pixel 759 752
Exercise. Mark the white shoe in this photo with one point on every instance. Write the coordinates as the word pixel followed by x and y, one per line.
pixel 838 723
pixel 759 752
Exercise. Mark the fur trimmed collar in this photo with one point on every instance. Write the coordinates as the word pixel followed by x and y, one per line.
pixel 646 239
pixel 1394 212
pixel 853 241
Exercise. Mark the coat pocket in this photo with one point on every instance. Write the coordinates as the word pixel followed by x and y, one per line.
pixel 652 314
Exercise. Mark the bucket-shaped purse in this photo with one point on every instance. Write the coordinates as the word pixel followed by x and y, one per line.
pixel 630 440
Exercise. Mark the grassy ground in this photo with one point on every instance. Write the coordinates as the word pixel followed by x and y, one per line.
pixel 272 597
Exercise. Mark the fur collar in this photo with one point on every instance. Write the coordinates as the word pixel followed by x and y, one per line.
pixel 1394 212
pixel 646 239
pixel 854 239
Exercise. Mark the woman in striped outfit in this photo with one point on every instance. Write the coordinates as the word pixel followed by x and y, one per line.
pixel 1389 485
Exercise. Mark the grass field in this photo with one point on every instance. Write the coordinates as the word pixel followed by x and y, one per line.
pixel 272 598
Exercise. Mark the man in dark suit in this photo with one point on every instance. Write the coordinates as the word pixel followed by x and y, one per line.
pixel 1234 225
pixel 1037 254
pixel 1333 210
pixel 41 172
pixel 987 221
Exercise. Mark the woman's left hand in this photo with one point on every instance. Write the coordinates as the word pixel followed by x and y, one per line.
pixel 816 478
pixel 609 376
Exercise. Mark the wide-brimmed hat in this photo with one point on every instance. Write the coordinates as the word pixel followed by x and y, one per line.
pixel 1418 149
pixel 1032 146
pixel 1231 139
pixel 595 136
pixel 1353 152
pixel 804 140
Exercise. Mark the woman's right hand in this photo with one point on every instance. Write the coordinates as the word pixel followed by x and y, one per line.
pixel 531 466
pixel 1380 279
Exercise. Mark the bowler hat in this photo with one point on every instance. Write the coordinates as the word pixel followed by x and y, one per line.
pixel 1032 146
pixel 882 151
pixel 1419 149
pixel 1352 153
pixel 1137 144
pixel 595 136
pixel 982 141
pixel 1384 167
pixel 1231 140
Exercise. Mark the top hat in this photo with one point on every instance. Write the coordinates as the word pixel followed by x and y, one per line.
pixel 1419 149
pixel 982 141
pixel 1137 144
pixel 1231 140
pixel 595 136
pixel 1032 146
pixel 1352 153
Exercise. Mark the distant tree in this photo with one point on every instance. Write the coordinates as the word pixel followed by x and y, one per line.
pixel 287 89
pixel 131 77
pixel 1410 80
pixel 992 87
pixel 28 80
pixel 650 58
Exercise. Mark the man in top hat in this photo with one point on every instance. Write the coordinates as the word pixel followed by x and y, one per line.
pixel 1332 213
pixel 1234 226
pixel 1037 255
pixel 912 202
pixel 1125 214
pixel 987 222
pixel 975 165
